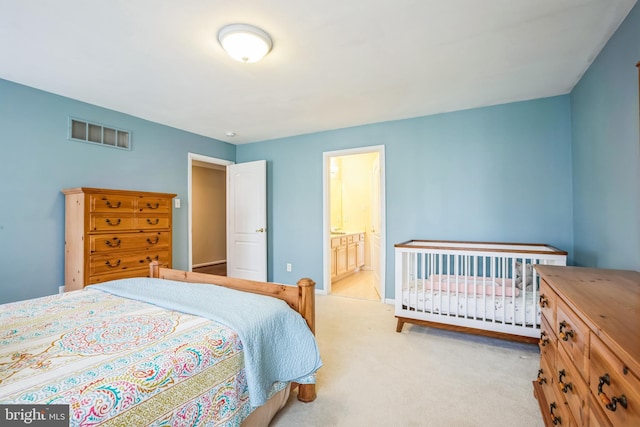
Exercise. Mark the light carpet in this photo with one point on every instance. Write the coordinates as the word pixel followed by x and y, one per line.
pixel 374 376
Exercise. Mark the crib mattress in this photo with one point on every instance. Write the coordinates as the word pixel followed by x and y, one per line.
pixel 520 310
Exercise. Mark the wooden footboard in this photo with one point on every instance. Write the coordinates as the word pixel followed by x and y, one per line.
pixel 300 298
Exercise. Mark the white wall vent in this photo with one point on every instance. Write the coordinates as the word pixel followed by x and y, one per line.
pixel 94 133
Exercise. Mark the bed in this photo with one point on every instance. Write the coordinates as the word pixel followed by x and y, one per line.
pixel 166 350
pixel 486 288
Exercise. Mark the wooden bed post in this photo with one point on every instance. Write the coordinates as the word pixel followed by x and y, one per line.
pixel 306 307
pixel 306 301
pixel 154 269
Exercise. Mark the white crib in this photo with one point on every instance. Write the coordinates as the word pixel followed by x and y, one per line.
pixel 486 288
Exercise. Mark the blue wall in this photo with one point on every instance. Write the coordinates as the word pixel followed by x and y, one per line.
pixel 563 171
pixel 499 173
pixel 37 161
pixel 606 154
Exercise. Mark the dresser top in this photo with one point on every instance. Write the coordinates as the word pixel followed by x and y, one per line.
pixel 78 190
pixel 607 300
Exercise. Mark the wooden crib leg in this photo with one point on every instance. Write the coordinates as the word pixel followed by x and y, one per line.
pixel 400 325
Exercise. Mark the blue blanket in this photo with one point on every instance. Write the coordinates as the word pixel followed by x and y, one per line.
pixel 277 343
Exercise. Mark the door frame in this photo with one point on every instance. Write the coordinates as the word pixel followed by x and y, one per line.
pixel 326 213
pixel 201 158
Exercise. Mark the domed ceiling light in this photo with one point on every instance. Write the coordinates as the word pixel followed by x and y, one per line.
pixel 244 43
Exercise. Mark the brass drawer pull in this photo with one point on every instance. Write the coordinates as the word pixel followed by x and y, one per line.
pixel 108 221
pixel 153 207
pixel 153 223
pixel 153 243
pixel 109 205
pixel 544 302
pixel 565 335
pixel 561 385
pixel 108 264
pixel 113 243
pixel 541 380
pixel 554 419
pixel 543 339
pixel 610 404
pixel 156 258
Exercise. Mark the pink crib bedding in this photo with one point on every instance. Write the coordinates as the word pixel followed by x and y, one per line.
pixel 470 285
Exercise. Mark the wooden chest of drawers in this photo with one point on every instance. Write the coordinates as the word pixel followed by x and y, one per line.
pixel 114 234
pixel 590 347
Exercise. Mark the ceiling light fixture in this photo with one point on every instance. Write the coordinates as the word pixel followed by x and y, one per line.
pixel 244 43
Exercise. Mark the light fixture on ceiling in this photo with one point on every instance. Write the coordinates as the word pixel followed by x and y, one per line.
pixel 244 43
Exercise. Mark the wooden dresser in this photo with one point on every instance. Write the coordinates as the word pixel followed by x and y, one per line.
pixel 590 347
pixel 114 234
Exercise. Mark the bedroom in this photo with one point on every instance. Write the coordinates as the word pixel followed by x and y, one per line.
pixel 578 189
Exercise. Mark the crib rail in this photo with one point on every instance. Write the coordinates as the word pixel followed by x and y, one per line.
pixel 488 286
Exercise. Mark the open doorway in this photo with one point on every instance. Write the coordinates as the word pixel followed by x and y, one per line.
pixel 353 215
pixel 207 214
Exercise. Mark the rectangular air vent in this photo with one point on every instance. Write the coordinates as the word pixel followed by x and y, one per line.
pixel 81 130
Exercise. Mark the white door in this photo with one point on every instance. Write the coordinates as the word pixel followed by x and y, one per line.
pixel 247 220
pixel 375 225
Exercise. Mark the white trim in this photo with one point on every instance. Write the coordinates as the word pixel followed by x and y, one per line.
pixel 326 220
pixel 190 158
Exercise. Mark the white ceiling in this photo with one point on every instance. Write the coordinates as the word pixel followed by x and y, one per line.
pixel 334 63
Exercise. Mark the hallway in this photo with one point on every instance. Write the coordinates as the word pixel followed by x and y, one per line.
pixel 359 285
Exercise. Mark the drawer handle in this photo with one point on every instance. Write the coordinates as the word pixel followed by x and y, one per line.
pixel 113 243
pixel 561 385
pixel 610 404
pixel 109 205
pixel 153 207
pixel 153 243
pixel 543 339
pixel 544 302
pixel 565 335
pixel 541 380
pixel 156 258
pixel 108 264
pixel 554 419
pixel 108 221
pixel 153 223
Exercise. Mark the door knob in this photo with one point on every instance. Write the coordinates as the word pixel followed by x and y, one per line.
pixel 260 230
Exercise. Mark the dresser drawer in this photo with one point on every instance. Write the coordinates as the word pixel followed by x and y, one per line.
pixel 558 412
pixel 110 222
pixel 573 336
pixel 548 342
pixel 128 241
pixel 572 386
pixel 122 274
pixel 614 386
pixel 106 263
pixel 152 221
pixel 545 377
pixel 153 204
pixel 111 203
pixel 548 300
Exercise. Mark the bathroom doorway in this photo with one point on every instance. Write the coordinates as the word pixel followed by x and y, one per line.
pixel 353 214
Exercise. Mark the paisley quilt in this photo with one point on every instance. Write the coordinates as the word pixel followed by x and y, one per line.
pixel 121 362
